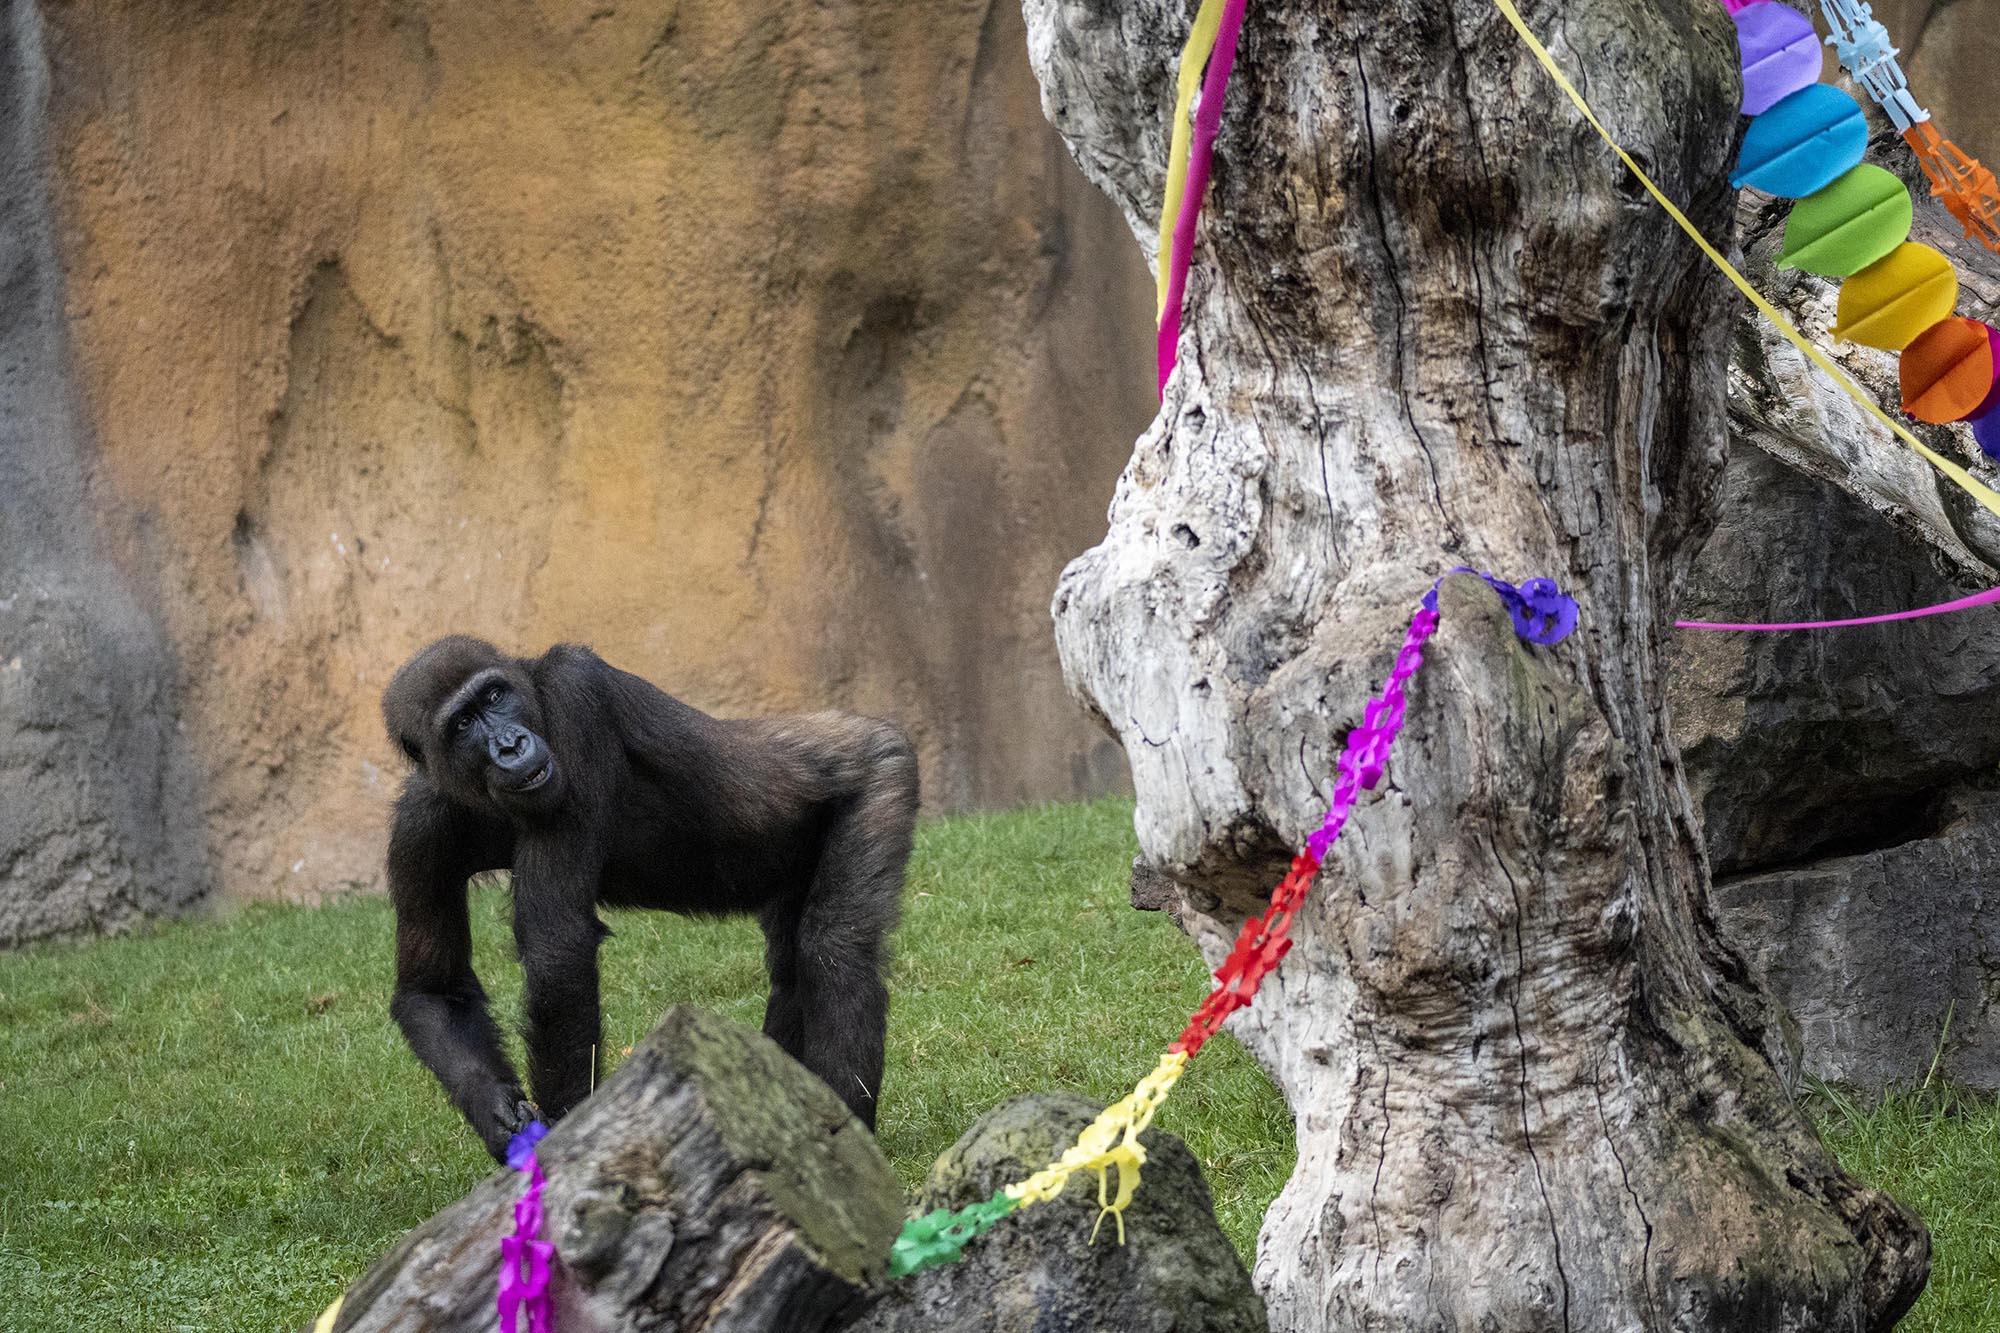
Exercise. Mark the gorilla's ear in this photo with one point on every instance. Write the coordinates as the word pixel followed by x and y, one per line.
pixel 410 748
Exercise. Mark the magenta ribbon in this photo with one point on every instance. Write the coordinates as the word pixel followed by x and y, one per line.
pixel 1987 598
pixel 525 1260
pixel 1207 123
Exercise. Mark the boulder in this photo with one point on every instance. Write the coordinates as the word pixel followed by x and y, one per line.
pixel 1889 959
pixel 1038 1270
pixel 711 1183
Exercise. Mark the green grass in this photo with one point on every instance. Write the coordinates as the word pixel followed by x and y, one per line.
pixel 1938 1150
pixel 214 1126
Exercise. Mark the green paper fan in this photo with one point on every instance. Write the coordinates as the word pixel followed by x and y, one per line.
pixel 1849 225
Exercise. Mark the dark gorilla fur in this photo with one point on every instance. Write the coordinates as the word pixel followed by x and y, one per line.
pixel 594 787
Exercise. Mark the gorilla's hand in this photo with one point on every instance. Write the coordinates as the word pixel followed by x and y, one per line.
pixel 506 1114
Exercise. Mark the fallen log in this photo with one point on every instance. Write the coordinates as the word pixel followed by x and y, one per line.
pixel 711 1183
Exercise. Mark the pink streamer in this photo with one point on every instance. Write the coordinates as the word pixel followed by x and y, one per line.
pixel 1987 598
pixel 1207 123
pixel 525 1261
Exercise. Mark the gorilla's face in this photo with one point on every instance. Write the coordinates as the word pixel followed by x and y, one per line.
pixel 489 737
pixel 471 721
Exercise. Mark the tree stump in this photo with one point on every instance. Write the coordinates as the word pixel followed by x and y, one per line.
pixel 711 1183
pixel 1431 323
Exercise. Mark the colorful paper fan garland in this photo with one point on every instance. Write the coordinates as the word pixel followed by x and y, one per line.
pixel 1780 53
pixel 1890 302
pixel 1853 220
pixel 1957 475
pixel 1110 1145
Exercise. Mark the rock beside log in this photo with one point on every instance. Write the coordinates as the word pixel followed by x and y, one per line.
pixel 1888 960
pixel 1839 775
pixel 711 1183
pixel 1037 1272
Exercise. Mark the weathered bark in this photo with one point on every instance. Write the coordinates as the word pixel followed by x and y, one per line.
pixel 1432 323
pixel 710 1184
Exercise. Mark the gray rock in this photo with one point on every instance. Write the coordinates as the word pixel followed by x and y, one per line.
pixel 1037 1272
pixel 1874 953
pixel 1838 771
pixel 1808 745
pixel 98 825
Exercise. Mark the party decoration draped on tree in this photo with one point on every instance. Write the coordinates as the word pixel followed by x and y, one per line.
pixel 1805 142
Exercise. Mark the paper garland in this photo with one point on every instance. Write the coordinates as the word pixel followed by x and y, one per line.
pixel 1804 143
pixel 1846 227
pixel 1853 220
pixel 1110 1145
pixel 1780 53
pixel 1891 301
pixel 525 1258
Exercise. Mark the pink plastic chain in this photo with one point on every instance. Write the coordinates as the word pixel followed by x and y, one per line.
pixel 525 1259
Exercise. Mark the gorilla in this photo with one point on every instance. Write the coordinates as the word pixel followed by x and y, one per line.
pixel 595 788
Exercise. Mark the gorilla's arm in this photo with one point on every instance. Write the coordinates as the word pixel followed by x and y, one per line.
pixel 556 933
pixel 434 847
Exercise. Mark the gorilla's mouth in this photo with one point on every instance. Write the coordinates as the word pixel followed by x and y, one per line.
pixel 537 778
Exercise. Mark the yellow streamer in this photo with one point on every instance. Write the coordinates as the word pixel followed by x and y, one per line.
pixel 1959 475
pixel 324 1324
pixel 1110 1142
pixel 1194 59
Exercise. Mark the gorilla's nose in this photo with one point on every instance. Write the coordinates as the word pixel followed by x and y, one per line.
pixel 512 748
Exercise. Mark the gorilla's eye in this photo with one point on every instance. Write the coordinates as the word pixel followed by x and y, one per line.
pixel 492 695
pixel 464 722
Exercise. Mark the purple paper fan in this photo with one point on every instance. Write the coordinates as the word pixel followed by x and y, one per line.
pixel 1781 54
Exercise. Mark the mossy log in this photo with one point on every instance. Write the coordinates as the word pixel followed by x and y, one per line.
pixel 711 1183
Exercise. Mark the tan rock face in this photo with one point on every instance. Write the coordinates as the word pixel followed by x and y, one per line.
pixel 1950 49
pixel 774 349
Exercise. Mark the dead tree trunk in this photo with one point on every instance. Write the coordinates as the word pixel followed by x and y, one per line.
pixel 1432 323
pixel 711 1183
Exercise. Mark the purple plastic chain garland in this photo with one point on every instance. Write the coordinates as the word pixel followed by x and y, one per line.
pixel 525 1259
pixel 1542 613
pixel 1366 756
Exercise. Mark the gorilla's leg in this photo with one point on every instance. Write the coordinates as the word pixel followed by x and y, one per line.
pixel 851 906
pixel 784 1013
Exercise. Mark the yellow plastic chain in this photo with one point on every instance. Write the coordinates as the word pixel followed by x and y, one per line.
pixel 1108 1143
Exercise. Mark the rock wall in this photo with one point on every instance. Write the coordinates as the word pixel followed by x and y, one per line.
pixel 774 349
pixel 97 810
